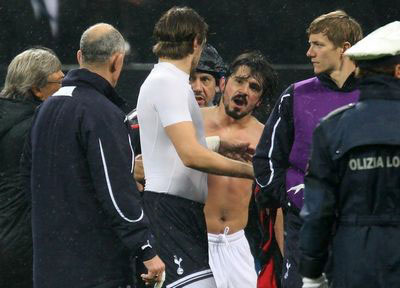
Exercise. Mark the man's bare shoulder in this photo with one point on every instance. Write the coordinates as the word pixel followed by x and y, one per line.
pixel 207 110
pixel 256 126
pixel 208 114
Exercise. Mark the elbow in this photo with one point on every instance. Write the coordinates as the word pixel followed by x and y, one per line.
pixel 194 157
pixel 189 161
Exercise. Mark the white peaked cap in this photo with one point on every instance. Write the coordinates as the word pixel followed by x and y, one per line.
pixel 384 41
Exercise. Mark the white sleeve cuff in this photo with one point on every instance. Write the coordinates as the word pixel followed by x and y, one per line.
pixel 213 143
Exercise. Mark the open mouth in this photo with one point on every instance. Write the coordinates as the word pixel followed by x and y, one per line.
pixel 200 99
pixel 240 100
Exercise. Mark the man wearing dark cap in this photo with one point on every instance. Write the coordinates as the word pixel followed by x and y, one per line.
pixel 205 80
pixel 353 179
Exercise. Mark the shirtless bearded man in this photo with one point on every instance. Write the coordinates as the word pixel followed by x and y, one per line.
pixel 252 79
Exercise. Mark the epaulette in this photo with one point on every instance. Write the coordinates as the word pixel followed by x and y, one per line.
pixel 339 110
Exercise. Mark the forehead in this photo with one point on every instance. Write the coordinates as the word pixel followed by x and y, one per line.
pixel 319 37
pixel 245 72
pixel 201 74
pixel 56 75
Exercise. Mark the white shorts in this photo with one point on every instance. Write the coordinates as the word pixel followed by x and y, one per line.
pixel 231 261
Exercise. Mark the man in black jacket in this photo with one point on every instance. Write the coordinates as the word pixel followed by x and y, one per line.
pixel 86 213
pixel 32 77
pixel 353 179
pixel 281 156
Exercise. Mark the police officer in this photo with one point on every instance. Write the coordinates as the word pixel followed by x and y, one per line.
pixel 353 180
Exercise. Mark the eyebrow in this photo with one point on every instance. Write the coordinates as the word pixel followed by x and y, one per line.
pixel 246 77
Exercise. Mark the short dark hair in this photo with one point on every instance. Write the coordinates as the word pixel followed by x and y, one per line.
pixel 338 27
pixel 261 70
pixel 175 32
pixel 384 65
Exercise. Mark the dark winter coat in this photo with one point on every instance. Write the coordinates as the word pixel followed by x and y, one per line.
pixel 353 183
pixel 86 213
pixel 15 222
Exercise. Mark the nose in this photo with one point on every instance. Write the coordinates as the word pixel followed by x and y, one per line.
pixel 196 85
pixel 245 88
pixel 310 52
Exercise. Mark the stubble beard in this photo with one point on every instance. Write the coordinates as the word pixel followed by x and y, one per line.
pixel 232 113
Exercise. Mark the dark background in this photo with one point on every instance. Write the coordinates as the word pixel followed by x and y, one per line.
pixel 276 28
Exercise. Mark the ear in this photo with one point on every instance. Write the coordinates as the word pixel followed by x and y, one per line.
pixel 258 103
pixel 37 92
pixel 222 83
pixel 346 45
pixel 116 62
pixel 196 43
pixel 79 57
pixel 115 67
pixel 397 71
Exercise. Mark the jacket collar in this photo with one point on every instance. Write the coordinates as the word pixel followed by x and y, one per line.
pixel 85 78
pixel 349 85
pixel 380 87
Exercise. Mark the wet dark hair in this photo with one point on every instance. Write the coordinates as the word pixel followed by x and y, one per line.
pixel 261 70
pixel 175 32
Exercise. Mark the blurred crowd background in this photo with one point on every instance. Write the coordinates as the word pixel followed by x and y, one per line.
pixel 275 27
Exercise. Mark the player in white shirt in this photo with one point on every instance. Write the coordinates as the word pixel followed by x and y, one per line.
pixel 175 156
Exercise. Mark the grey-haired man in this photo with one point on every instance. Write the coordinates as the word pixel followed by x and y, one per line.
pixel 87 220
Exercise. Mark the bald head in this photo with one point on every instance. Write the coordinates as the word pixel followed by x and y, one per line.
pixel 99 42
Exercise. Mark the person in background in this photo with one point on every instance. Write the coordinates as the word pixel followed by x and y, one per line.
pixel 352 181
pixel 32 76
pixel 282 153
pixel 87 219
pixel 205 81
pixel 175 155
pixel 251 81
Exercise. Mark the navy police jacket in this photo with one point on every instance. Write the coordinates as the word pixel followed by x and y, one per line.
pixel 86 214
pixel 352 191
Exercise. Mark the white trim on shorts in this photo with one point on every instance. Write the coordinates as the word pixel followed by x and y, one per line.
pixel 194 277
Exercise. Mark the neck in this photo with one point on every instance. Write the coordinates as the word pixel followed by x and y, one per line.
pixel 184 64
pixel 225 120
pixel 340 75
pixel 100 70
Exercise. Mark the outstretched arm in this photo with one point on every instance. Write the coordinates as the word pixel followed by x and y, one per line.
pixel 196 156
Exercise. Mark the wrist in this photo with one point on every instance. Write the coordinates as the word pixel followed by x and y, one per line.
pixel 213 143
pixel 318 282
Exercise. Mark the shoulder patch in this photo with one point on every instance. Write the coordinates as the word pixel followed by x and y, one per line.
pixel 65 91
pixel 339 110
